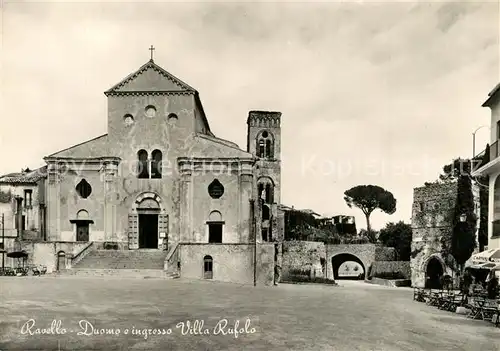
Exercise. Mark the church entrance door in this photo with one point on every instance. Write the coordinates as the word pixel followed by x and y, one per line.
pixel 148 231
pixel 82 232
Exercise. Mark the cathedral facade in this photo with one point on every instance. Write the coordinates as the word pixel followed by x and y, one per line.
pixel 161 180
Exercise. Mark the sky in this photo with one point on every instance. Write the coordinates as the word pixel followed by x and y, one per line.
pixel 370 93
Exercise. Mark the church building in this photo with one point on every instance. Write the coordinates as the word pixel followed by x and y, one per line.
pixel 161 184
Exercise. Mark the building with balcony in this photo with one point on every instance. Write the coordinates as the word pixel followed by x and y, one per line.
pixel 492 169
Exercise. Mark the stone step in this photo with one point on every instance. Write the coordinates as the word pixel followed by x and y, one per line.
pixel 118 273
pixel 123 259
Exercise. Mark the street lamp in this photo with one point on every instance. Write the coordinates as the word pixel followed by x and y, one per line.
pixel 474 139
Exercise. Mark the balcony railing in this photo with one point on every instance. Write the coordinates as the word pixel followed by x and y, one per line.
pixel 494 151
pixel 496 229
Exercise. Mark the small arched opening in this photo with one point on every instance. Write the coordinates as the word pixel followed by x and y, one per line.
pixel 265 147
pixel 208 271
pixel 142 165
pixel 61 260
pixel 215 227
pixel 344 260
pixel 433 273
pixel 148 211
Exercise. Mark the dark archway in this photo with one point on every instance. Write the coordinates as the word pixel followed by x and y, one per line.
pixel 208 270
pixel 433 273
pixel 337 261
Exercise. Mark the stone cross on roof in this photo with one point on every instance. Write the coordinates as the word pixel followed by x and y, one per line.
pixel 152 48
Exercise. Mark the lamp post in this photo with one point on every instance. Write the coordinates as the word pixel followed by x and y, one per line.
pixel 463 217
pixel 474 139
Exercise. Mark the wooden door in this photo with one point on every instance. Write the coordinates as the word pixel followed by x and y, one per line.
pixel 133 232
pixel 82 232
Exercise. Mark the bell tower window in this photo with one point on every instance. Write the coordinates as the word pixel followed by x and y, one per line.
pixel 265 145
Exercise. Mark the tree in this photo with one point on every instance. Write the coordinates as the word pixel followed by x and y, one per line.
pixel 463 241
pixel 369 198
pixel 365 237
pixel 397 235
pixel 458 171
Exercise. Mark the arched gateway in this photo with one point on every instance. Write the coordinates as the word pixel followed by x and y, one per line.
pixel 148 224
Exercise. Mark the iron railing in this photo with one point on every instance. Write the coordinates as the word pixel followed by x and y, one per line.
pixel 494 151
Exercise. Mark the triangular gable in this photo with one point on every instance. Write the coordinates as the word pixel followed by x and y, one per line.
pixel 97 147
pixel 150 77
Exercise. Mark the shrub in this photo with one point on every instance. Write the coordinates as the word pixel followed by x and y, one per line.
pixel 389 275
pixel 303 279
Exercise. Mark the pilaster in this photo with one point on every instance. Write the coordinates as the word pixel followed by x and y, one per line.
pixel 246 187
pixel 53 202
pixel 186 195
pixel 111 198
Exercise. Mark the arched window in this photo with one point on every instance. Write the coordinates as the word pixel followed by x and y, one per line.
pixel 208 271
pixel 143 167
pixel 265 190
pixel 265 147
pixel 156 157
pixel 269 194
pixel 215 227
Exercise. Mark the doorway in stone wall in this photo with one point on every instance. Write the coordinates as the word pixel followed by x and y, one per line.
pixel 433 273
pixel 61 260
pixel 148 230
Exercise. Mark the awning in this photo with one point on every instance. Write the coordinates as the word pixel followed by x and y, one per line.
pixel 17 254
pixel 488 265
pixel 492 255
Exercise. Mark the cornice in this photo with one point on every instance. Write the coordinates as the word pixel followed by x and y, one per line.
pixel 149 93
pixel 110 159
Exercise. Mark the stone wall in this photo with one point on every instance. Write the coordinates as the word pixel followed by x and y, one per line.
pixel 46 253
pixel 303 255
pixel 231 262
pixel 432 211
pixel 402 267
pixel 383 253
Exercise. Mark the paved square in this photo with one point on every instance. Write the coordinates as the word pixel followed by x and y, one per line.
pixel 353 316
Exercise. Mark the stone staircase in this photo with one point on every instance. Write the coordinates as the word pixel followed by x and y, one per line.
pixel 122 264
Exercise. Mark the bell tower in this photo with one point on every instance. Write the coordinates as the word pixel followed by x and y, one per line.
pixel 264 142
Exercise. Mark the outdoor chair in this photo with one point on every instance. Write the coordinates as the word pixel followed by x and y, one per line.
pixel 36 271
pixel 22 271
pixel 434 298
pixel 474 306
pixel 9 271
pixel 419 295
pixel 456 301
pixel 446 301
pixel 489 310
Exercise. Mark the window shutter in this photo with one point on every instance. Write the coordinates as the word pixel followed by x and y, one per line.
pixel 133 232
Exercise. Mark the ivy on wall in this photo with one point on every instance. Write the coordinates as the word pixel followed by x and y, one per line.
pixel 458 245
